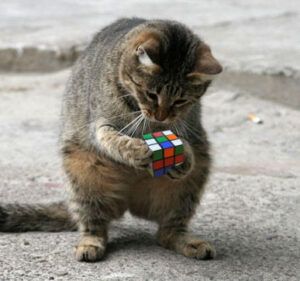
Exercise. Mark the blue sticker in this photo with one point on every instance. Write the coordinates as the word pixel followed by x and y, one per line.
pixel 158 173
pixel 166 144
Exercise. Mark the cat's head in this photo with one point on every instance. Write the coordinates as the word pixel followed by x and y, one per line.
pixel 167 72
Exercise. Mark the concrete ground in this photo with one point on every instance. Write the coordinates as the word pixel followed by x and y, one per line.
pixel 251 209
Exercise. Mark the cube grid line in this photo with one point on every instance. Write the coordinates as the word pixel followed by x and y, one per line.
pixel 167 151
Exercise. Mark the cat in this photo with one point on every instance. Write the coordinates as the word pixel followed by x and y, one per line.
pixel 136 76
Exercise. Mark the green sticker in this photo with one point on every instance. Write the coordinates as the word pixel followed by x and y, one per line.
pixel 157 155
pixel 178 149
pixel 161 139
pixel 147 136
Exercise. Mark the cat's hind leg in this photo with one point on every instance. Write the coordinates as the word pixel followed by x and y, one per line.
pixel 97 197
pixel 176 238
pixel 172 233
pixel 172 203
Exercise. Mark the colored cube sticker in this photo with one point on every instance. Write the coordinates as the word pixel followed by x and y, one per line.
pixel 167 151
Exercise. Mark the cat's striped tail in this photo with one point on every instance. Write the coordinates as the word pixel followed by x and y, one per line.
pixel 24 217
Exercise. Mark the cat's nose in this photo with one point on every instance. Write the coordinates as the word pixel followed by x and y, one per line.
pixel 161 114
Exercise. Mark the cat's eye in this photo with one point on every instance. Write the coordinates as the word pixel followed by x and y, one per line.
pixel 180 102
pixel 151 96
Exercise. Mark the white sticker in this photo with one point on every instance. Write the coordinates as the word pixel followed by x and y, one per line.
pixel 155 147
pixel 151 141
pixel 177 142
pixel 167 132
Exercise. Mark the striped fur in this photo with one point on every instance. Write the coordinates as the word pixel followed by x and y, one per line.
pixel 19 218
pixel 112 89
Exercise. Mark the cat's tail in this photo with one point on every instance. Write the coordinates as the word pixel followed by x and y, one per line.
pixel 24 217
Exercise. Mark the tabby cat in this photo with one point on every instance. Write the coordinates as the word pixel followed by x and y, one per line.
pixel 136 76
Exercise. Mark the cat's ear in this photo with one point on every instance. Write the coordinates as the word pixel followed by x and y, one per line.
pixel 147 51
pixel 143 56
pixel 206 67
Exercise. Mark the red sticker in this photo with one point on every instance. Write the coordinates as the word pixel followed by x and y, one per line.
pixel 157 164
pixel 157 134
pixel 179 158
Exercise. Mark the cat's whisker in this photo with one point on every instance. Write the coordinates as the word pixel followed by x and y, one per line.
pixel 139 123
pixel 129 130
pixel 133 127
pixel 144 123
pixel 112 117
pixel 176 129
pixel 189 129
pixel 183 130
pixel 90 122
pixel 128 127
pixel 109 119
pixel 131 123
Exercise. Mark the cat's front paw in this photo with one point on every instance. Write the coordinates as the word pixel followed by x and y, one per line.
pixel 181 171
pixel 90 249
pixel 136 153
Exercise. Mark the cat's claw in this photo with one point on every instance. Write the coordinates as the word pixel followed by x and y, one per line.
pixel 138 154
pixel 177 173
pixel 181 171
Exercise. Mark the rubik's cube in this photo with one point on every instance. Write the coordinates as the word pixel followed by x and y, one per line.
pixel 167 151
